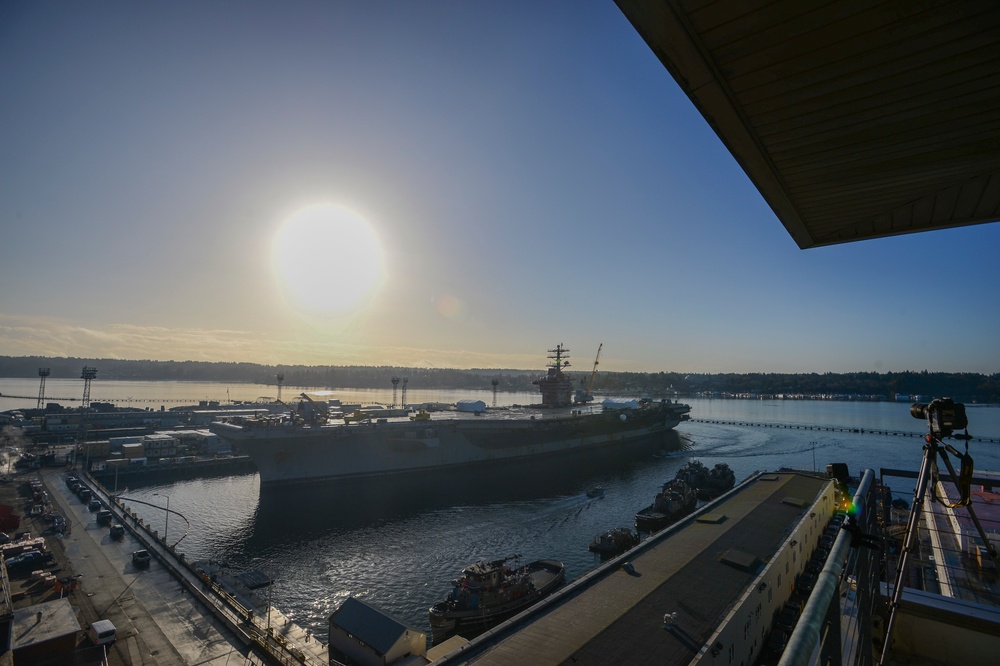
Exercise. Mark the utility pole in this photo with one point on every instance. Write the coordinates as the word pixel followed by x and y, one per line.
pixel 87 375
pixel 42 374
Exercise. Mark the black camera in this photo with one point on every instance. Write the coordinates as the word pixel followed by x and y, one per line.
pixel 943 416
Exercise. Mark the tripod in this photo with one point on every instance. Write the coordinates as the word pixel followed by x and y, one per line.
pixel 928 472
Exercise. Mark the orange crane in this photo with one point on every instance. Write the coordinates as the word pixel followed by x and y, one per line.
pixel 585 394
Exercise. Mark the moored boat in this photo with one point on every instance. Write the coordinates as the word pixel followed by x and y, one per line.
pixel 614 542
pixel 675 500
pixel 693 473
pixel 487 593
pixel 313 444
pixel 707 483
pixel 719 480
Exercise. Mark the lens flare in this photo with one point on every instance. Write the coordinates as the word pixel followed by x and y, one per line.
pixel 448 306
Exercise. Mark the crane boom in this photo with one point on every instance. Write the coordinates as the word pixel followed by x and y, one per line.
pixel 593 375
pixel 584 394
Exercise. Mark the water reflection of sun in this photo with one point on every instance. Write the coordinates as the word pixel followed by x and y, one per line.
pixel 328 259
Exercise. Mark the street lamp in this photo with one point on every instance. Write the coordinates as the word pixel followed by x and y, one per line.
pixel 166 521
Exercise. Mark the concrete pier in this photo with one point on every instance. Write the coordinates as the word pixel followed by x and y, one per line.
pixel 166 614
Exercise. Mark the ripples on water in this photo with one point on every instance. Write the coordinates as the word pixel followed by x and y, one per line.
pixel 398 546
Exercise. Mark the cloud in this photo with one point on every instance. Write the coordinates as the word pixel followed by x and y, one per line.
pixel 39 336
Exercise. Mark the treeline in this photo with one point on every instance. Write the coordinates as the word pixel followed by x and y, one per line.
pixel 255 373
pixel 965 387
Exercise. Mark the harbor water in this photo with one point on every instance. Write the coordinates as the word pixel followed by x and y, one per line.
pixel 398 547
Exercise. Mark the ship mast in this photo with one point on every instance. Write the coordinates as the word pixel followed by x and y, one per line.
pixel 558 354
pixel 555 387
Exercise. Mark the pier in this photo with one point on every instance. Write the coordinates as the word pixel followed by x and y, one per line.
pixel 261 635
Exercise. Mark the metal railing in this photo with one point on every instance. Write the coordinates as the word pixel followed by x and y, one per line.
pixel 836 623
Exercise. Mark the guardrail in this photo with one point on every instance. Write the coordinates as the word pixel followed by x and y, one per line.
pixel 836 623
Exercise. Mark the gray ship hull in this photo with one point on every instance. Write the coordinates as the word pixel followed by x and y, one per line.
pixel 294 453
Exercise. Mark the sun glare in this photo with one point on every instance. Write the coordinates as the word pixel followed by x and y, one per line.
pixel 327 259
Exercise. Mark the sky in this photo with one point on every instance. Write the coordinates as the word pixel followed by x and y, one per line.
pixel 422 184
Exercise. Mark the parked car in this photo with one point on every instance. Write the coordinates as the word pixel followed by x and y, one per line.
pixel 102 632
pixel 787 617
pixel 777 641
pixel 117 531
pixel 806 581
pixel 27 559
pixel 141 558
pixel 94 505
pixel 104 517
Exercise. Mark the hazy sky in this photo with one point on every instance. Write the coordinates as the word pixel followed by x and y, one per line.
pixel 481 181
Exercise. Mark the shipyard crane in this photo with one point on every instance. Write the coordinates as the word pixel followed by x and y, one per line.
pixel 585 394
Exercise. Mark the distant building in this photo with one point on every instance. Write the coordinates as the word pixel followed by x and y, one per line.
pixel 160 445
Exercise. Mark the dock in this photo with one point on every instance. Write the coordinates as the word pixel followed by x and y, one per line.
pixel 170 613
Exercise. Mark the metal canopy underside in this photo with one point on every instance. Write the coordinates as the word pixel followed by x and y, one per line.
pixel 855 119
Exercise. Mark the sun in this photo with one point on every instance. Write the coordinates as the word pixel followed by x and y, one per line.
pixel 328 260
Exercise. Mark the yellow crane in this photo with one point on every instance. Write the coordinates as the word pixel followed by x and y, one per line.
pixel 585 394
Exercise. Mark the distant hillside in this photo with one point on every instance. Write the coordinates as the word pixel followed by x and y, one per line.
pixel 965 387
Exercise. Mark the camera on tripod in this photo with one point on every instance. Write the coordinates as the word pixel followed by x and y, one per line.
pixel 943 416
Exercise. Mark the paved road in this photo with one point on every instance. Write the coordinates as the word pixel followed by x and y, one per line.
pixel 158 620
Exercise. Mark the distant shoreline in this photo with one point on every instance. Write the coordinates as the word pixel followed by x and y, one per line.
pixel 962 386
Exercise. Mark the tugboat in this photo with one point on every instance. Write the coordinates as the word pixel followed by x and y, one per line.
pixel 694 473
pixel 707 483
pixel 614 542
pixel 675 500
pixel 487 593
pixel 719 479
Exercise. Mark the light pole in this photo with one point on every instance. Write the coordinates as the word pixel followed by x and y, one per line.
pixel 166 520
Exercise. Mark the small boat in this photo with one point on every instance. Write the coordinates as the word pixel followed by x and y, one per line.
pixel 718 480
pixel 675 500
pixel 614 542
pixel 693 473
pixel 596 492
pixel 487 593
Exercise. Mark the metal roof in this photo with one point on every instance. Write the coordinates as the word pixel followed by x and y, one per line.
pixel 854 119
pixel 369 625
pixel 697 569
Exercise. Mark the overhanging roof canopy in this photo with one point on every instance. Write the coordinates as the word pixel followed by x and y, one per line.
pixel 854 119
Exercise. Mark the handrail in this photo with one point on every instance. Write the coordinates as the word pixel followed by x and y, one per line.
pixel 806 636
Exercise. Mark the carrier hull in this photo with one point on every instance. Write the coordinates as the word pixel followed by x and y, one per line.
pixel 294 453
